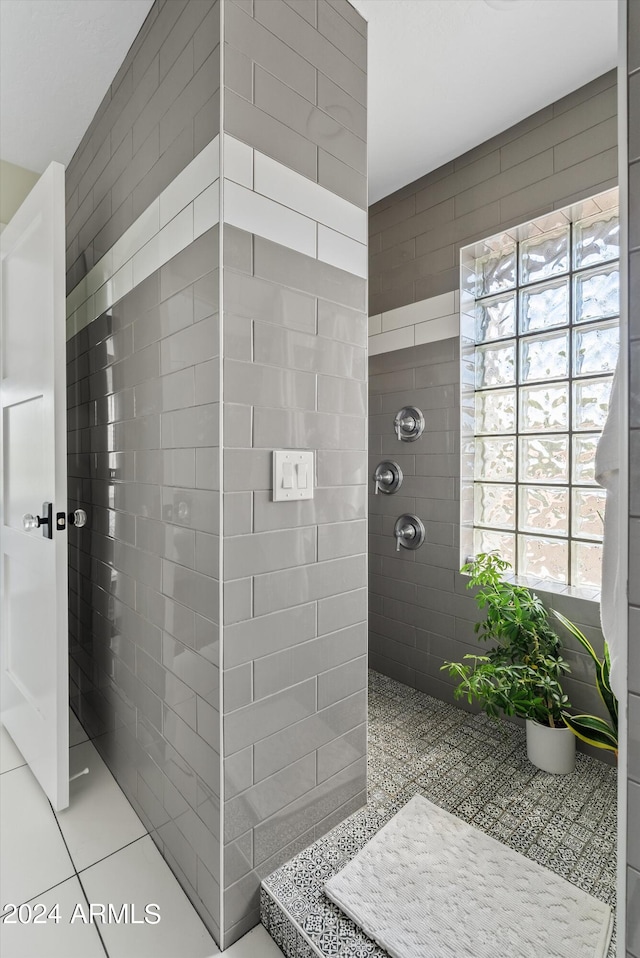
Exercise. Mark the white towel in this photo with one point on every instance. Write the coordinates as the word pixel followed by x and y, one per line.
pixel 607 475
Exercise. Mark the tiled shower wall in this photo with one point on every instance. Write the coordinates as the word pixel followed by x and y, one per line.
pixel 420 610
pixel 161 109
pixel 290 639
pixel 143 574
pixel 561 154
pixel 295 636
pixel 143 450
pixel 632 11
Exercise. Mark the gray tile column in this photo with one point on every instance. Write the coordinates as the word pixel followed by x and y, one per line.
pixel 294 640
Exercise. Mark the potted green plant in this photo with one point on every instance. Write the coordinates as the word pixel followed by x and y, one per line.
pixel 591 728
pixel 521 674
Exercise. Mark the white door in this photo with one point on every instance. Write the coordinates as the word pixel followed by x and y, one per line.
pixel 34 685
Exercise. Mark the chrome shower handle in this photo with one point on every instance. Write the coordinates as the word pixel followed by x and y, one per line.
pixel 409 531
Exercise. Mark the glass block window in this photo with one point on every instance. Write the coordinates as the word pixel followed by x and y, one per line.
pixel 539 332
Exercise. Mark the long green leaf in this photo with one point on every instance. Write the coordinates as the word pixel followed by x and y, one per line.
pixel 593 730
pixel 577 634
pixel 607 696
pixel 602 668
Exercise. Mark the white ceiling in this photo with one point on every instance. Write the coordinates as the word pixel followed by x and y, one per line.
pixel 57 61
pixel 444 75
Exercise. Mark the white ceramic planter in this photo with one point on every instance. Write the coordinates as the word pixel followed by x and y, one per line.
pixel 551 749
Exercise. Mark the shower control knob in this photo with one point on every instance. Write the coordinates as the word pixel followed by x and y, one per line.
pixel 409 532
pixel 387 478
pixel 408 424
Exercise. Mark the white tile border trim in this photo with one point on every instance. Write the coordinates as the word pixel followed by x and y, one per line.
pixel 185 209
pixel 426 321
pixel 263 196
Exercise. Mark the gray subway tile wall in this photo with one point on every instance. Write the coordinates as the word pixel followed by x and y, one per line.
pixel 143 574
pixel 632 160
pixel 420 613
pixel 150 654
pixel 143 394
pixel 160 111
pixel 295 376
pixel 563 153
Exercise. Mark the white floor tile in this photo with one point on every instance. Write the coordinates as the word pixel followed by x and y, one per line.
pixel 99 819
pixel 34 856
pixel 10 757
pixel 76 732
pixel 138 875
pixel 256 944
pixel 47 938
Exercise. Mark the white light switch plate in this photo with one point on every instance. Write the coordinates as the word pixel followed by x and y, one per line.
pixel 293 475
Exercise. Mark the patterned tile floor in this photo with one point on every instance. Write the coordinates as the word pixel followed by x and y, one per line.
pixel 471 766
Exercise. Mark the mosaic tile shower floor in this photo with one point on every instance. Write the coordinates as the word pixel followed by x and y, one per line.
pixel 473 767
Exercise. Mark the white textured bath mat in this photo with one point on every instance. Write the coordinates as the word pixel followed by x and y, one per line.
pixel 428 884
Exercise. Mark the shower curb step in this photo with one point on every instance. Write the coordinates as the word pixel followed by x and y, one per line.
pixel 293 909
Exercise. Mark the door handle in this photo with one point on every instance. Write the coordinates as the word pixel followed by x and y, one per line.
pixel 45 521
pixel 78 518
